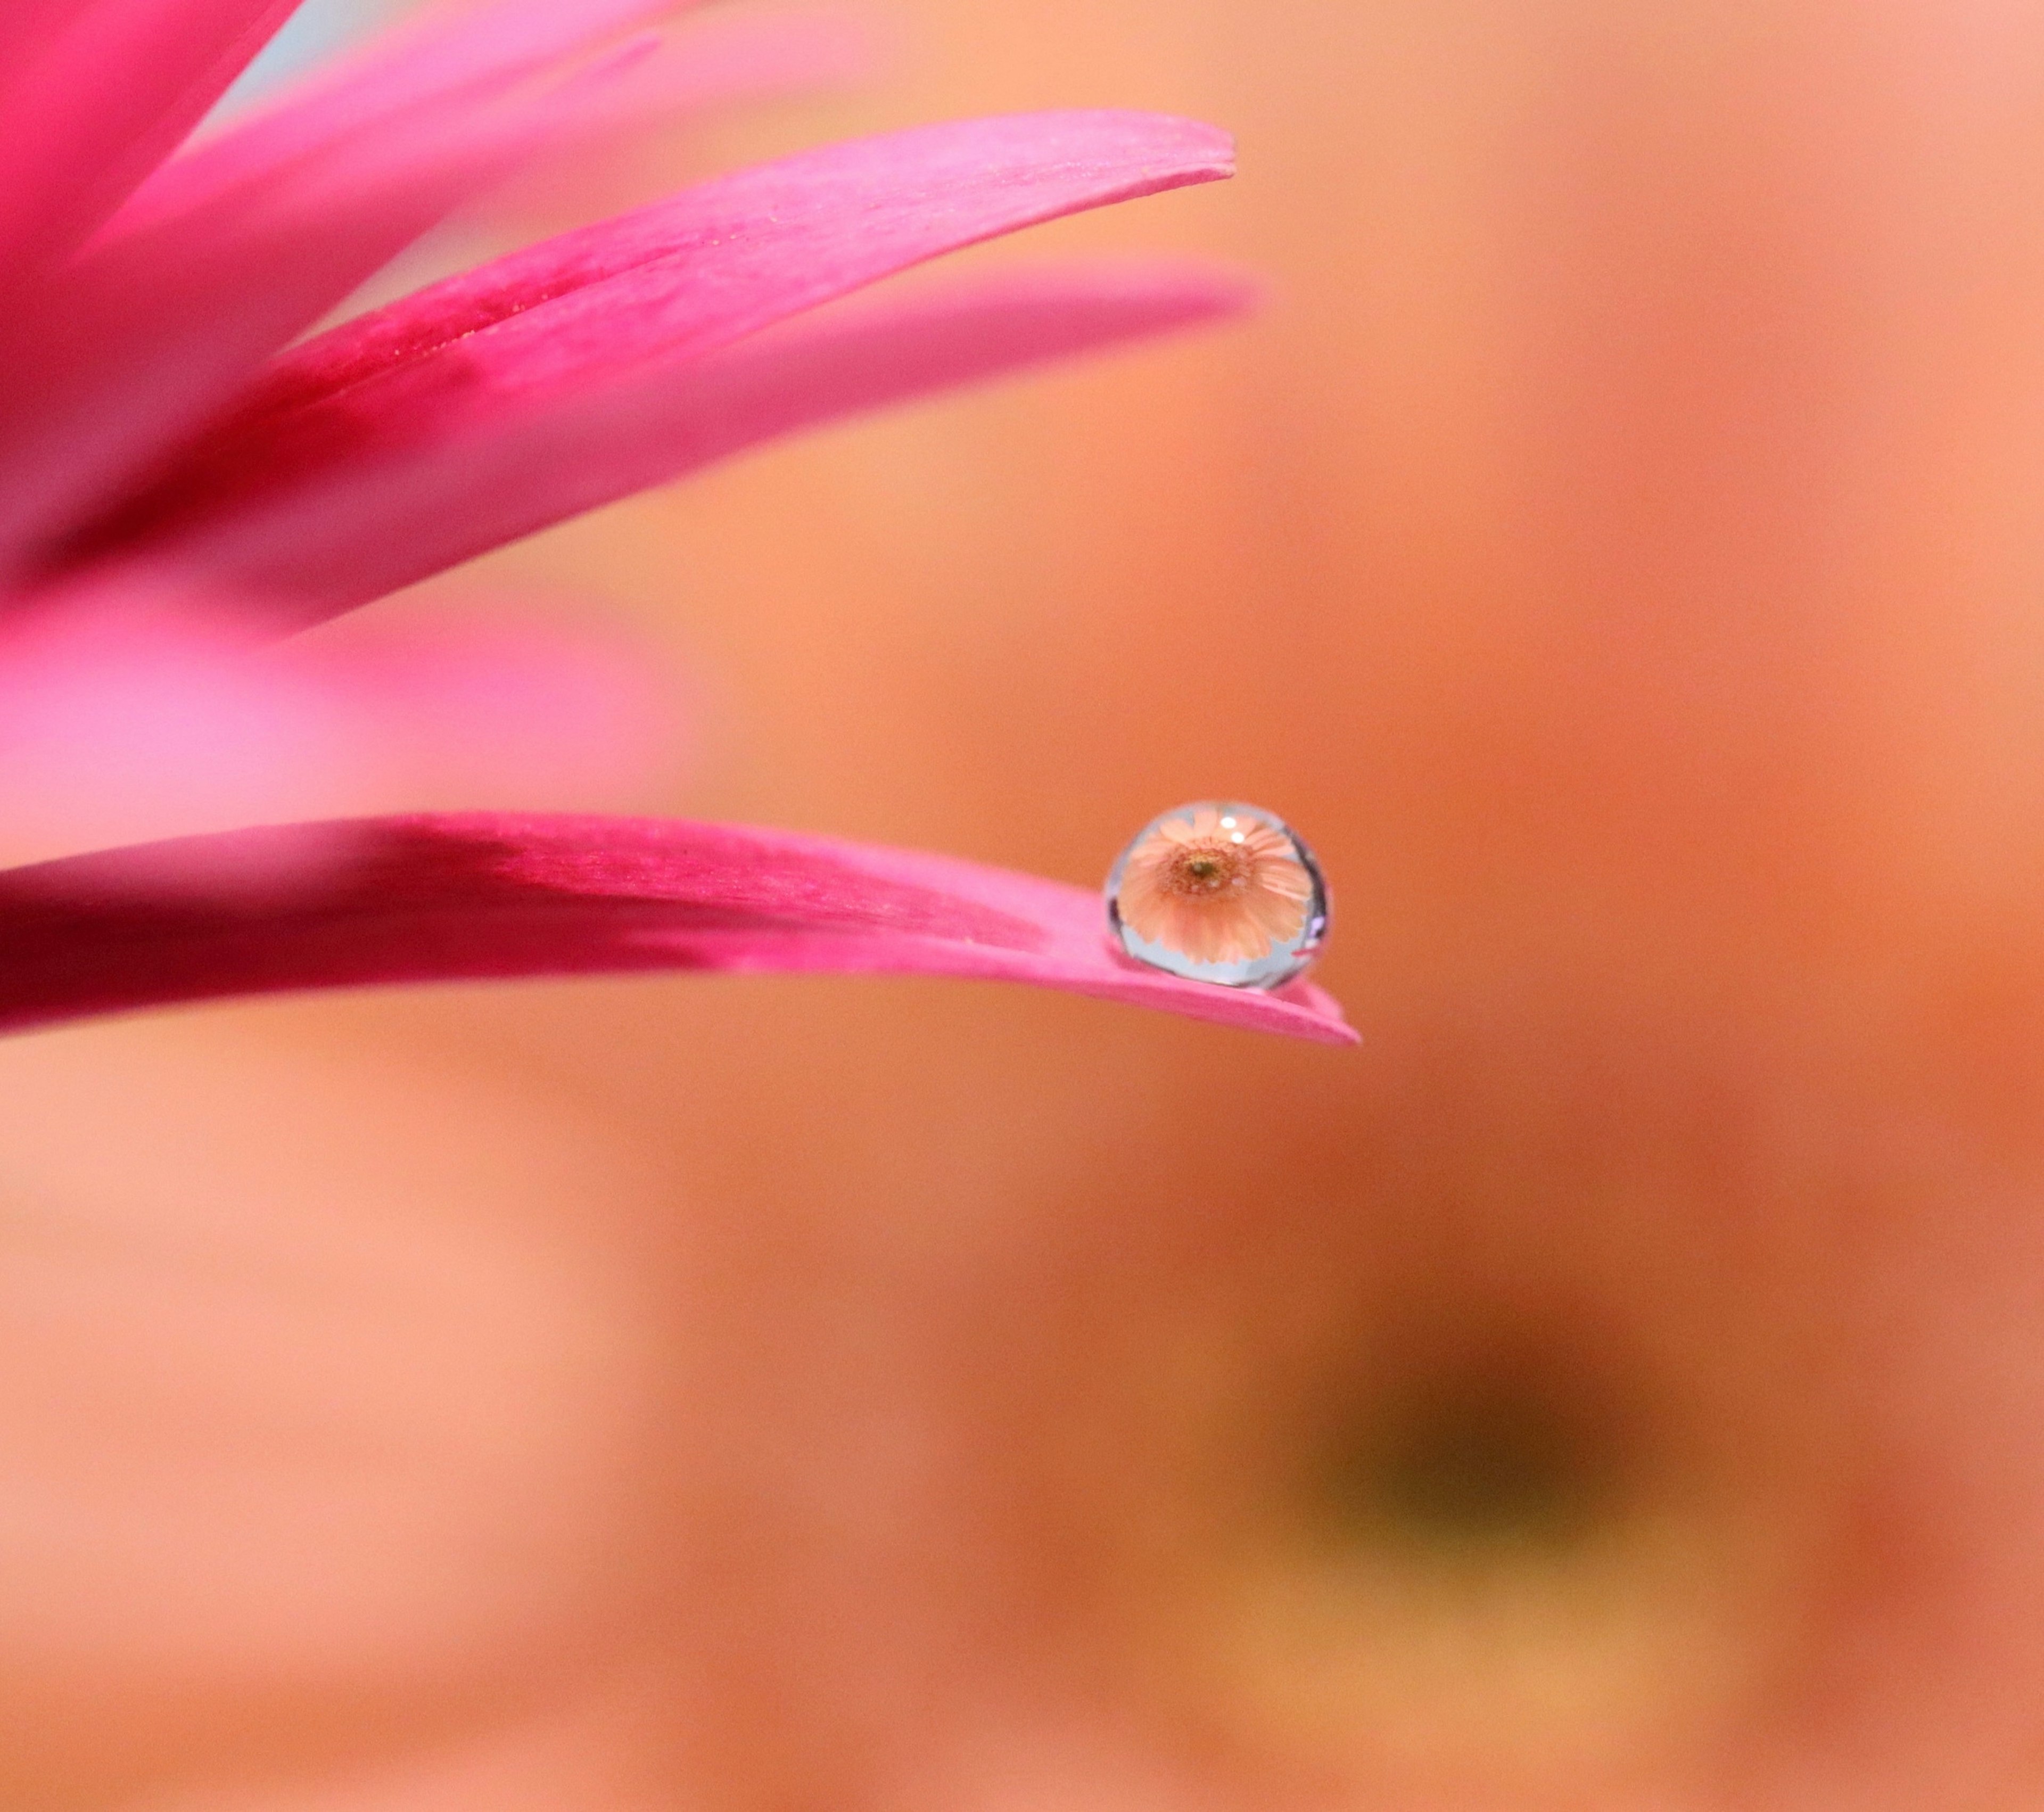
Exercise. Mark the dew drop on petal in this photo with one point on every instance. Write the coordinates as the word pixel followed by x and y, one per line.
pixel 1219 892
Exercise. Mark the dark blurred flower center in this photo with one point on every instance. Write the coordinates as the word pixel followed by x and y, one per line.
pixel 1484 1459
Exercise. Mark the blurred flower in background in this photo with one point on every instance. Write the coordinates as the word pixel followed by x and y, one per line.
pixel 1613 1388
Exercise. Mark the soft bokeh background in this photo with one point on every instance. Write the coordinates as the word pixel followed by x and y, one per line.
pixel 1618 548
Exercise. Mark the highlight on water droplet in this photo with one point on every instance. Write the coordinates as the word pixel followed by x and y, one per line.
pixel 1219 892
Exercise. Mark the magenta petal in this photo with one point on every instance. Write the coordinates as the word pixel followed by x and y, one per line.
pixel 727 258
pixel 155 324
pixel 34 25
pixel 449 63
pixel 142 338
pixel 115 87
pixel 474 896
pixel 469 357
pixel 374 526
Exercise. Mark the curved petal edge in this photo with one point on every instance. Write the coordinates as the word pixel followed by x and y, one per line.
pixel 477 895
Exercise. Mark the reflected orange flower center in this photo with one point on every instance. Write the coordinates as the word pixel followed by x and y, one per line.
pixel 1215 887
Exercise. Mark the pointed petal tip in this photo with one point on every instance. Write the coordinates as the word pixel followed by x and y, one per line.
pixel 494 895
pixel 1330 1025
pixel 1299 1009
pixel 1196 151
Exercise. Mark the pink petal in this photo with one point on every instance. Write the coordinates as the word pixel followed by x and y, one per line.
pixel 370 526
pixel 708 65
pixel 429 899
pixel 728 257
pixel 468 358
pixel 156 323
pixel 34 25
pixel 113 729
pixel 115 87
pixel 446 65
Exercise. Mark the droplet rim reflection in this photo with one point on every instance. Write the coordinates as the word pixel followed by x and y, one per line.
pixel 1285 959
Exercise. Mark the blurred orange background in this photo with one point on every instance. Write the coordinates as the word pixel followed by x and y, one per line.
pixel 1618 548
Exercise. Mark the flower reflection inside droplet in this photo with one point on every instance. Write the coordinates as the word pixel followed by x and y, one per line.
pixel 1219 892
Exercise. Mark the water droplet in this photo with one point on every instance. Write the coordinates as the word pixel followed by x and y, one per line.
pixel 1221 893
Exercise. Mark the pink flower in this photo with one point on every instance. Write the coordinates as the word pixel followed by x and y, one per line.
pixel 171 451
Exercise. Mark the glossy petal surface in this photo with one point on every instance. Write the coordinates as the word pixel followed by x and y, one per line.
pixel 443 898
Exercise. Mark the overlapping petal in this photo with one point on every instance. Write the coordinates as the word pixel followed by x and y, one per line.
pixel 140 429
pixel 97 96
pixel 440 69
pixel 451 69
pixel 469 896
pixel 365 526
pixel 175 306
pixel 297 492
